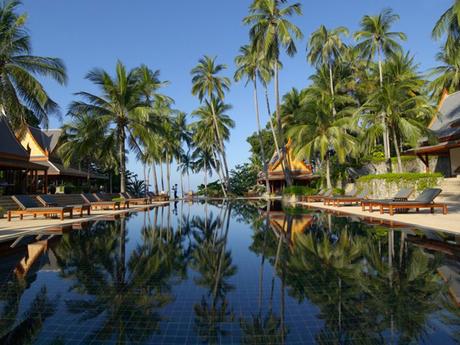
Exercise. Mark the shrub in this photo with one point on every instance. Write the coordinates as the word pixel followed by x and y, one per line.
pixel 52 189
pixel 299 190
pixel 69 188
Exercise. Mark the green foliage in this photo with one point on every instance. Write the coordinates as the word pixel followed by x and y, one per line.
pixel 69 188
pixel 419 180
pixel 242 178
pixel 338 191
pixel 2 212
pixel 214 189
pixel 299 190
pixel 269 146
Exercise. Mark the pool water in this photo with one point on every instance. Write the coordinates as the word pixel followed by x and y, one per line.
pixel 230 273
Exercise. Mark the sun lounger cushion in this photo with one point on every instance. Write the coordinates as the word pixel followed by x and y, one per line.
pixel 428 195
pixel 26 202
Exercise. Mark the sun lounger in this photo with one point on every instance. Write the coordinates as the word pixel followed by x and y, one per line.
pixel 105 197
pixel 28 205
pixel 95 203
pixel 133 200
pixel 402 195
pixel 424 200
pixel 330 199
pixel 320 196
pixel 349 200
pixel 49 201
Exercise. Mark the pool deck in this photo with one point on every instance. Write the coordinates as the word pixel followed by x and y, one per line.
pixel 424 219
pixel 29 226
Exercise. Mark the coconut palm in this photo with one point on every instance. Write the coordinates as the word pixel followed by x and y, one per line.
pixel 376 40
pixel 213 112
pixel 316 131
pixel 448 24
pixel 22 96
pixel 210 87
pixel 248 67
pixel 402 98
pixel 119 107
pixel 326 48
pixel 447 75
pixel 270 32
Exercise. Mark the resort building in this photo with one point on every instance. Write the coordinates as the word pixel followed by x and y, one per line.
pixel 43 146
pixel 446 127
pixel 17 174
pixel 301 172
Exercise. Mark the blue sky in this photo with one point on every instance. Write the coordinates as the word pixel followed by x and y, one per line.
pixel 173 35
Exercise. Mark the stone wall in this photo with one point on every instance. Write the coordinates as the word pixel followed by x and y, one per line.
pixel 382 189
pixel 412 165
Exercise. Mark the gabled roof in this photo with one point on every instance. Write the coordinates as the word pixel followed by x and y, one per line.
pixel 9 145
pixel 446 125
pixel 46 139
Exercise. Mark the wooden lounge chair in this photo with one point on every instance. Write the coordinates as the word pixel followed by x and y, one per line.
pixel 320 196
pixel 349 200
pixel 28 205
pixel 103 205
pixel 105 197
pixel 424 200
pixel 49 201
pixel 133 200
pixel 330 199
pixel 402 195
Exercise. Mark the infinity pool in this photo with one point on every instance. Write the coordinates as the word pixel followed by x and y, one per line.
pixel 230 273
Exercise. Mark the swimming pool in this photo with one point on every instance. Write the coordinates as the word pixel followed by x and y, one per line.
pixel 230 273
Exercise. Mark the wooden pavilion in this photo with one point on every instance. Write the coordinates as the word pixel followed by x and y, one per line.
pixel 301 172
pixel 17 174
pixel 43 146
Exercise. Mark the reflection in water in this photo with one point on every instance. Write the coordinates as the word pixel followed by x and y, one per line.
pixel 230 272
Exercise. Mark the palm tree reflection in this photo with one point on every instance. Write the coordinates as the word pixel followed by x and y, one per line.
pixel 214 265
pixel 128 291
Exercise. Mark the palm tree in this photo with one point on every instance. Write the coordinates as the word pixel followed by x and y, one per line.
pixel 22 96
pixel 207 84
pixel 119 107
pixel 316 131
pixel 271 30
pixel 376 39
pixel 88 143
pixel 248 67
pixel 326 48
pixel 207 115
pixel 448 24
pixel 185 166
pixel 402 98
pixel 447 75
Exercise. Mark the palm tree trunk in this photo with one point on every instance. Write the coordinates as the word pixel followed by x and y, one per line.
pixel 261 143
pixel 162 177
pixel 188 181
pixel 110 182
pixel 146 182
pixel 182 183
pixel 328 173
pixel 121 132
pixel 398 154
pixel 155 178
pixel 386 137
pixel 219 171
pixel 275 139
pixel 287 172
pixel 168 175
pixel 331 82
pixel 205 167
pixel 221 142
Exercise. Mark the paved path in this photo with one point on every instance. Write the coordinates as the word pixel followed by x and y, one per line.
pixel 424 219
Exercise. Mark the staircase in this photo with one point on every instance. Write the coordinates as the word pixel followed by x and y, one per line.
pixel 450 191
